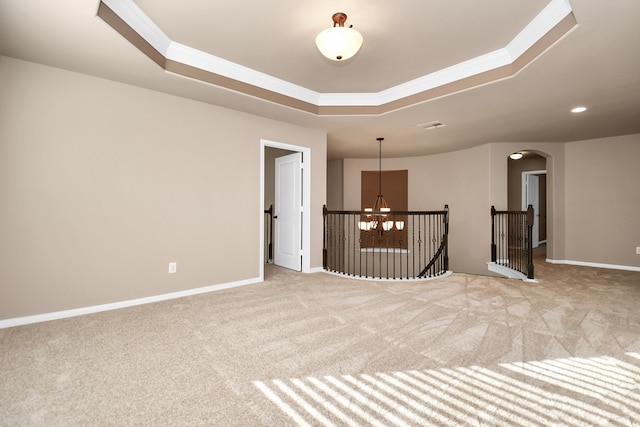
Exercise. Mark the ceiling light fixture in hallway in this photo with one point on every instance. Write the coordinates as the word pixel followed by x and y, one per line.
pixel 378 215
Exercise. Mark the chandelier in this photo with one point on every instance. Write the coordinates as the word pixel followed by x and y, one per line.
pixel 339 42
pixel 378 215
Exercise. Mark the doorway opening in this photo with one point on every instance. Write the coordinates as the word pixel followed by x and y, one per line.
pixel 527 185
pixel 534 193
pixel 291 233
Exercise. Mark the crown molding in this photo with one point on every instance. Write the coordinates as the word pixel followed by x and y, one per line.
pixel 130 21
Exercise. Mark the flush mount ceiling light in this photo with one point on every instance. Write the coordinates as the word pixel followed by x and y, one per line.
pixel 516 156
pixel 339 42
pixel 579 109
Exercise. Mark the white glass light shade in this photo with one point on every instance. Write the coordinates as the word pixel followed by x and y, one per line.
pixel 516 156
pixel 364 225
pixel 387 225
pixel 339 43
pixel 399 225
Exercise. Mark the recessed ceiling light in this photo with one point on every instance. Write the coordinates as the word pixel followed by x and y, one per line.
pixel 579 109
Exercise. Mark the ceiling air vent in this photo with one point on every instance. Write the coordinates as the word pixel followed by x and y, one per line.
pixel 432 125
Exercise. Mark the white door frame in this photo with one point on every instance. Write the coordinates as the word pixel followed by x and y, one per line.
pixel 525 176
pixel 306 201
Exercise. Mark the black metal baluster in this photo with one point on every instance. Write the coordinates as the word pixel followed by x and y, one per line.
pixel 428 242
pixel 379 248
pixel 521 231
pixel 513 256
pixel 521 228
pixel 330 242
pixel 435 233
pixel 503 234
pixel 347 250
pixel 420 241
pixel 338 243
pixel 517 243
pixel 335 242
pixel 440 226
pixel 510 232
pixel 356 218
pixel 394 243
pixel 501 241
pixel 387 252
pixel 360 248
pixel 366 255
pixel 340 258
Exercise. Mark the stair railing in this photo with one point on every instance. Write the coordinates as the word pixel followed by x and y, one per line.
pixel 511 239
pixel 386 245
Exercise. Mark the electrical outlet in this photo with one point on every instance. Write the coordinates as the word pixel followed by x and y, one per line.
pixel 637 250
pixel 173 267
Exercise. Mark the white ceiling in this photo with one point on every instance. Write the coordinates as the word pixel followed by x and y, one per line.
pixel 596 64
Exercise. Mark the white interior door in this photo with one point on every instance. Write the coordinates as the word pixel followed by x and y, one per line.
pixel 533 199
pixel 287 227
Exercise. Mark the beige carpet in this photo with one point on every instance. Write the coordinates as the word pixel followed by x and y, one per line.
pixel 323 350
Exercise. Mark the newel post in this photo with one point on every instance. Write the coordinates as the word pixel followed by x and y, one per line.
pixel 446 237
pixel 494 250
pixel 530 217
pixel 324 237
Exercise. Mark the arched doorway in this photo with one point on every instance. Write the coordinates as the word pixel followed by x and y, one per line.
pixel 527 184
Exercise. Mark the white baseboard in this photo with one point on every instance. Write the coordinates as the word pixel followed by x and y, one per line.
pixel 25 320
pixel 382 279
pixel 593 264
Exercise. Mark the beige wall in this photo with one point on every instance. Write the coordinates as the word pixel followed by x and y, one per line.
pixel 103 184
pixel 335 188
pixel 593 201
pixel 603 200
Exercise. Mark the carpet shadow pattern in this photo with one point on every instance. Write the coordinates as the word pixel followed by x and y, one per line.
pixel 574 392
pixel 318 349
